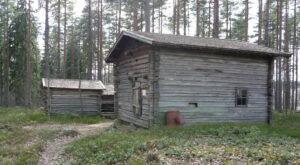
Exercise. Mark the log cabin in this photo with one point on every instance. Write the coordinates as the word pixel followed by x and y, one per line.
pixel 69 96
pixel 205 79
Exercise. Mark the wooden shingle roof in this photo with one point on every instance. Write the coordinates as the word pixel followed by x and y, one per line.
pixel 179 41
pixel 73 84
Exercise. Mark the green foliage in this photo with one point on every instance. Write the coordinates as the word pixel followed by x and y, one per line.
pixel 250 143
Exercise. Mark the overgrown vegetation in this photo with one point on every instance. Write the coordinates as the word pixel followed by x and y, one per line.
pixel 22 146
pixel 231 143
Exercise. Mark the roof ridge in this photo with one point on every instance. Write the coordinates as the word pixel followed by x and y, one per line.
pixel 209 38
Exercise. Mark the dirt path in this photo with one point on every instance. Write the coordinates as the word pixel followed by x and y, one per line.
pixel 52 155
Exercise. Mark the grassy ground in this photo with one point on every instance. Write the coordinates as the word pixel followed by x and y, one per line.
pixel 199 144
pixel 22 146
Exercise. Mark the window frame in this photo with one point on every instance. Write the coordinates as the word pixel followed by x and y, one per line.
pixel 241 97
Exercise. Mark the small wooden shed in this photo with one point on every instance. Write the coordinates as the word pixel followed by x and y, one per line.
pixel 73 96
pixel 206 79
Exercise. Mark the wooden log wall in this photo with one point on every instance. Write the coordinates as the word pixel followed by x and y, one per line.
pixel 133 65
pixel 210 81
pixel 69 101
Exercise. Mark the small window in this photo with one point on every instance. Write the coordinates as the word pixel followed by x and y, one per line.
pixel 137 100
pixel 241 95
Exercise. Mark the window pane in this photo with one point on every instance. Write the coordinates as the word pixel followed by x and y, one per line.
pixel 244 101
pixel 244 93
pixel 239 101
pixel 241 97
pixel 238 93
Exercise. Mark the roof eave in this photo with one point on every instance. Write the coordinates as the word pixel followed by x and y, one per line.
pixel 133 35
pixel 273 54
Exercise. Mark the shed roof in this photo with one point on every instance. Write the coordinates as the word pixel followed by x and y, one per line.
pixel 180 41
pixel 109 89
pixel 73 84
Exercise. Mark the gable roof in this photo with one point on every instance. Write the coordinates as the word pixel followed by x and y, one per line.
pixel 179 41
pixel 73 84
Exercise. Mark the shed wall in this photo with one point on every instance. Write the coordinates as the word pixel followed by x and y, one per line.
pixel 69 101
pixel 210 80
pixel 126 69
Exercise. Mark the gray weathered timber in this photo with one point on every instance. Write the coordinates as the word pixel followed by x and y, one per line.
pixel 198 77
pixel 210 81
pixel 127 69
pixel 66 97
pixel 67 101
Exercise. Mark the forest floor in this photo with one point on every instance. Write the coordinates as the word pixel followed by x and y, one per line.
pixel 32 137
pixel 223 143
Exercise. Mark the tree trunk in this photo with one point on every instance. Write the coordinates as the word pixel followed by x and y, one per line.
pixel 65 38
pixel 209 18
pixel 153 16
pixel 90 40
pixel 260 16
pixel 160 16
pixel 227 18
pixel 230 24
pixel 135 15
pixel 141 19
pixel 100 40
pixel 46 69
pixel 216 19
pixel 6 59
pixel 178 18
pixel 246 19
pixel 46 54
pixel 147 15
pixel 294 56
pixel 174 16
pixel 28 88
pixel 184 17
pixel 197 18
pixel 58 38
pixel 287 62
pixel 266 23
pixel 120 16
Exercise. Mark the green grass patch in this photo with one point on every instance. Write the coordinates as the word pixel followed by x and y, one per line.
pixel 22 146
pixel 20 116
pixel 225 143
